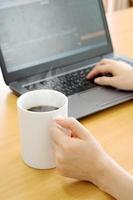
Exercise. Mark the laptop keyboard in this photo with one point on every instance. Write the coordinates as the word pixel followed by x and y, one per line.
pixel 68 84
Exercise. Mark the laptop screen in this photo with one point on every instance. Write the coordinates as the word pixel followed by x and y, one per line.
pixel 38 31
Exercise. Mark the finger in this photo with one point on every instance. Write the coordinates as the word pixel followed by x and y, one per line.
pixel 56 149
pixel 92 73
pixel 58 156
pixel 100 69
pixel 104 66
pixel 58 135
pixel 109 81
pixel 102 62
pixel 77 130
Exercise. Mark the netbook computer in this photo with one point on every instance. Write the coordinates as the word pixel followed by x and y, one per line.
pixel 53 44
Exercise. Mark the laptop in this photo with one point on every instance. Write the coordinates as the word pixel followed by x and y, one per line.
pixel 53 44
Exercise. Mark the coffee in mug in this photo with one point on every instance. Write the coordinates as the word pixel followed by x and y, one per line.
pixel 42 108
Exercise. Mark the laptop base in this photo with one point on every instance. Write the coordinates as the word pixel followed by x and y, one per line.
pixel 96 99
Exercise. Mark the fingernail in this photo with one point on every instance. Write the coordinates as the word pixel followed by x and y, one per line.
pixel 97 80
pixel 88 76
pixel 59 118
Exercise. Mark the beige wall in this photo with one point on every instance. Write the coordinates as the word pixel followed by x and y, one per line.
pixel 120 4
pixel 113 5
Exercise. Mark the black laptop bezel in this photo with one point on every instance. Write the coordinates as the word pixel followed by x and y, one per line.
pixel 21 74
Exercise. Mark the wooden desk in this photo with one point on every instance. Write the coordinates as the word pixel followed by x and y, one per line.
pixel 112 127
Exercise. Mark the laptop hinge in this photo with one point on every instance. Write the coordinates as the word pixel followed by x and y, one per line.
pixel 17 88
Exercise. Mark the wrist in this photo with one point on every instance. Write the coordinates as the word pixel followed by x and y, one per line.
pixel 115 181
pixel 106 176
pixel 103 172
pixel 101 168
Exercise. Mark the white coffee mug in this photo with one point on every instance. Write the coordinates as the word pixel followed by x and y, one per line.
pixel 36 144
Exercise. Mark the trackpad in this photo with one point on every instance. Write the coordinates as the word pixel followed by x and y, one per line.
pixel 100 96
pixel 95 99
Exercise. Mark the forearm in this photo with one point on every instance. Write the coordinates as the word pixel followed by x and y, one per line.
pixel 115 181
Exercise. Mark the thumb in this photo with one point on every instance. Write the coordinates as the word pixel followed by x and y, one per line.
pixel 77 130
pixel 58 135
pixel 109 81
